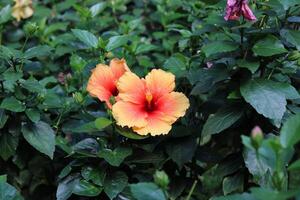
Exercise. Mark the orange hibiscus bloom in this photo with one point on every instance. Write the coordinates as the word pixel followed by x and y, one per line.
pixel 102 83
pixel 149 105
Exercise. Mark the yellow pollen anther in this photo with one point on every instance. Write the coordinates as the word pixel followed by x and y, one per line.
pixel 149 97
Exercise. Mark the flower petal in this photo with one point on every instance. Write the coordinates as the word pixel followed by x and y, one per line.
pixel 129 114
pixel 118 67
pixel 101 83
pixel 173 105
pixel 247 12
pixel 155 125
pixel 131 88
pixel 160 82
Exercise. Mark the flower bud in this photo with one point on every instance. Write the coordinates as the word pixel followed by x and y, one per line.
pixel 161 179
pixel 109 55
pixel 256 136
pixel 78 97
pixel 30 28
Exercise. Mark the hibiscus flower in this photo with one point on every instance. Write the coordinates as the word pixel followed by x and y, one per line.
pixel 22 9
pixel 149 105
pixel 102 83
pixel 236 8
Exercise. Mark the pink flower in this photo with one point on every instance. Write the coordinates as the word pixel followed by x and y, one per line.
pixel 236 8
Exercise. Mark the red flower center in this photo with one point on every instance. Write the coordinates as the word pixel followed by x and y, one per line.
pixel 115 92
pixel 150 104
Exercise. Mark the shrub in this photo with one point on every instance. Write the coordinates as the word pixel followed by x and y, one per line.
pixel 238 139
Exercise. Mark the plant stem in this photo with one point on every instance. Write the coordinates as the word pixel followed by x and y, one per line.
pixel 192 190
pixel 23 47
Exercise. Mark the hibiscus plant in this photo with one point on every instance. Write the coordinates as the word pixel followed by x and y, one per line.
pixel 149 100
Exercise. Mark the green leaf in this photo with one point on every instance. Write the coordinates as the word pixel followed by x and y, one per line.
pixel 77 63
pixel 86 37
pixel 65 188
pixel 233 183
pixel 219 47
pixel 252 66
pixel 33 114
pixel 294 166
pixel 115 183
pixel 5 14
pixel 3 118
pixel 32 85
pixel 87 189
pixel 97 8
pixel 115 157
pixel 182 150
pixel 221 120
pixel 128 133
pixel 205 79
pixel 12 104
pixel 267 97
pixel 176 64
pixel 88 146
pixel 255 164
pixel 93 174
pixel 102 123
pixel 147 191
pixel 3 178
pixel 116 42
pixel 269 46
pixel 41 136
pixel 244 196
pixel 8 145
pixel 288 3
pixel 38 51
pixel 291 36
pixel 268 193
pixel 8 192
pixel 63 143
pixel 289 134
pixel 143 48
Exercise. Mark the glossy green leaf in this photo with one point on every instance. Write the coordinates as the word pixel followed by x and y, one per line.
pixel 87 189
pixel 102 123
pixel 77 63
pixel 221 120
pixel 5 14
pixel 268 46
pixel 289 134
pixel 3 118
pixel 12 104
pixel 115 157
pixel 130 134
pixel 41 136
pixel 233 183
pixel 38 51
pixel 267 97
pixel 33 114
pixel 8 192
pixel 116 42
pixel 219 47
pixel 8 145
pixel 93 174
pixel 147 191
pixel 291 36
pixel 252 66
pixel 115 183
pixel 181 150
pixel 86 37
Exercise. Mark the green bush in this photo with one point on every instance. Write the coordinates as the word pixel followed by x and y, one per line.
pixel 238 140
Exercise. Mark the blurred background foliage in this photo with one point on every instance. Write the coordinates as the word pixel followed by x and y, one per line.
pixel 56 142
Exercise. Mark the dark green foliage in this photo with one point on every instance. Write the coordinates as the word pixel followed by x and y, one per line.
pixel 57 142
